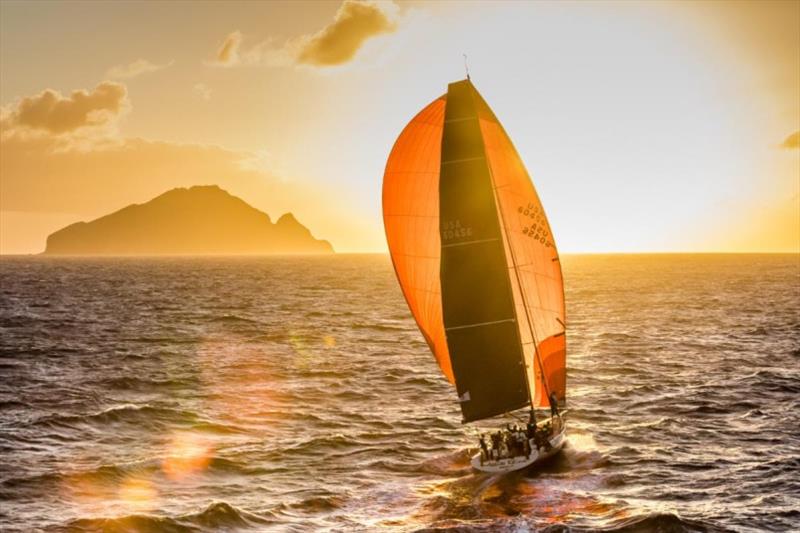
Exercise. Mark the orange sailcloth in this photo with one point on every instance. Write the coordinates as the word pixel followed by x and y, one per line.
pixel 411 220
pixel 475 256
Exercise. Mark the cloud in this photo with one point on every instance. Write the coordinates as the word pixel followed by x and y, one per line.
pixel 51 112
pixel 228 53
pixel 338 42
pixel 137 68
pixel 233 52
pixel 202 91
pixel 792 142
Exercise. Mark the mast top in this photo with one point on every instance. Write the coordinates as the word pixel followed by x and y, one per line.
pixel 466 67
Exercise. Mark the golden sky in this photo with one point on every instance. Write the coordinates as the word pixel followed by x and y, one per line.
pixel 647 126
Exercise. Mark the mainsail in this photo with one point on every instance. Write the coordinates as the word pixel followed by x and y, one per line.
pixel 475 256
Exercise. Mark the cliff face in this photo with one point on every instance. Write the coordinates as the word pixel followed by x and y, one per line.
pixel 198 220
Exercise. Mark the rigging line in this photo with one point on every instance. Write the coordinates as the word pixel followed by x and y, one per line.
pixel 515 417
pixel 521 290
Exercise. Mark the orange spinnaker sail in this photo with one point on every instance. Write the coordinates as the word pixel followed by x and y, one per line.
pixel 411 208
pixel 411 220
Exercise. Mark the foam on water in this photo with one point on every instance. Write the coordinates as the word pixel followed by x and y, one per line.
pixel 207 394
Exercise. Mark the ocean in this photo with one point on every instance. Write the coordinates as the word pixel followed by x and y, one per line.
pixel 296 394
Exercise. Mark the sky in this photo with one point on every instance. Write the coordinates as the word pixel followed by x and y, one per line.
pixel 646 126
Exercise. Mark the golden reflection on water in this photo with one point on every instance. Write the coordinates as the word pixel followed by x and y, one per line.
pixel 238 384
pixel 235 381
pixel 187 453
pixel 138 495
pixel 131 494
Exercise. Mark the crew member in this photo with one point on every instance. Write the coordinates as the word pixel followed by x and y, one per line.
pixel 484 449
pixel 532 424
pixel 553 406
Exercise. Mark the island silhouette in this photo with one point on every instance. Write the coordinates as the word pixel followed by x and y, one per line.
pixel 200 220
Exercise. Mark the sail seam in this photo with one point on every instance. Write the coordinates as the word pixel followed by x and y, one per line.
pixel 469 242
pixel 460 119
pixel 411 215
pixel 462 160
pixel 478 324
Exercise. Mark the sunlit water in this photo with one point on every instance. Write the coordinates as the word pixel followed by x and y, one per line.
pixel 297 394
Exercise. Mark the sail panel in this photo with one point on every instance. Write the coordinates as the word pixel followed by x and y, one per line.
pixel 477 301
pixel 537 280
pixel 411 221
pixel 488 382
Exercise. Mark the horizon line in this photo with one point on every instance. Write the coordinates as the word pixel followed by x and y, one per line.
pixel 210 255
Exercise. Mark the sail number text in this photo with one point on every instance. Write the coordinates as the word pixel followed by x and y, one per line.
pixel 537 227
pixel 452 229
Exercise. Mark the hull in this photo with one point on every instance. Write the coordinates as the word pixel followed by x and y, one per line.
pixel 511 464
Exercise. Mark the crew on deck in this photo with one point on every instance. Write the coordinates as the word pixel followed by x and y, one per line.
pixel 515 441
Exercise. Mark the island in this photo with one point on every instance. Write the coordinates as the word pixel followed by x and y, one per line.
pixel 200 220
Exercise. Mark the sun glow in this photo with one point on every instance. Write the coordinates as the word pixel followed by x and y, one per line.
pixel 649 126
pixel 187 454
pixel 138 495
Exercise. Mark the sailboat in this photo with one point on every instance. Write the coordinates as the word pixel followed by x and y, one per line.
pixel 478 266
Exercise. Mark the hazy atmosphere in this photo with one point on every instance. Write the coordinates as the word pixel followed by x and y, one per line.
pixel 401 266
pixel 647 126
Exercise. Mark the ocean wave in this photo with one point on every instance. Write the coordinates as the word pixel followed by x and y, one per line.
pixel 13 404
pixel 365 433
pixel 646 523
pixel 233 319
pixel 217 516
pixel 112 475
pixel 657 522
pixel 452 464
pixel 380 327
pixel 142 415
pixel 136 383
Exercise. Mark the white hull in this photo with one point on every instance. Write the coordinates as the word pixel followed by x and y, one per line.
pixel 510 464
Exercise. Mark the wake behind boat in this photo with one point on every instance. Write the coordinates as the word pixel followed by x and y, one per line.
pixel 476 260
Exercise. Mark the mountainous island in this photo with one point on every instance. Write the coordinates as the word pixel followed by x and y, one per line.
pixel 201 220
